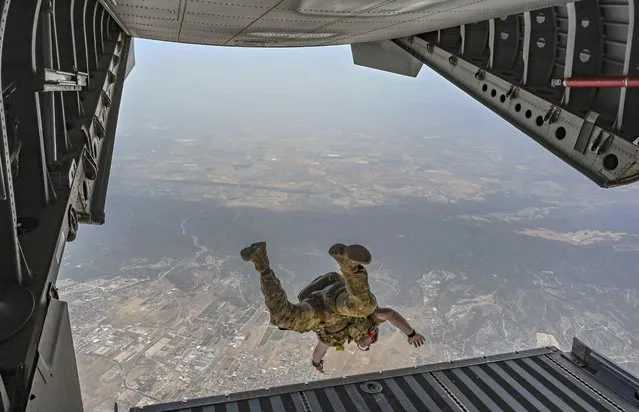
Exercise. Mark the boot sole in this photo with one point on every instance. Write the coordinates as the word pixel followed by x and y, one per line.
pixel 247 252
pixel 356 253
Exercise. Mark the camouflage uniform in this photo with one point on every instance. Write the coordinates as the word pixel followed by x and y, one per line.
pixel 337 313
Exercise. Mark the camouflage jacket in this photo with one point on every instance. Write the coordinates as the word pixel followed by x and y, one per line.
pixel 334 329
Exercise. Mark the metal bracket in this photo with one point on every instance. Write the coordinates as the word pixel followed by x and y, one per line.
pixel 606 371
pixel 513 92
pixel 8 91
pixel 603 148
pixel 106 99
pixel 585 133
pixel 58 81
pixel 53 292
pixel 99 129
pixel 552 115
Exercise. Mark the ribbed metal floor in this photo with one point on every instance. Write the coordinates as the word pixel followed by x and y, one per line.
pixel 537 380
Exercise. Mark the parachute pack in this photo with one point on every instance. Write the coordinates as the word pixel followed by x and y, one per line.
pixel 319 284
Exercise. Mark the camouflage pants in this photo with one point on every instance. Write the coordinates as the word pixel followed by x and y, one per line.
pixel 356 301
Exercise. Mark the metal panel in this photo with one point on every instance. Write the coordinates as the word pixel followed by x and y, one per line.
pixel 386 56
pixel 610 160
pixel 606 372
pixel 540 379
pixel 56 386
pixel 231 22
pixel 130 61
pixel 48 193
pixel 109 109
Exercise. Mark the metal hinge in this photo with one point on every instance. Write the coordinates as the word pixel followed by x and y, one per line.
pixel 552 115
pixel 513 92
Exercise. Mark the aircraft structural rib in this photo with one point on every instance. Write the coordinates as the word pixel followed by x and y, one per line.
pixel 63 68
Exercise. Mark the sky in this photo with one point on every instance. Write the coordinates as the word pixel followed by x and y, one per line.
pixel 237 76
pixel 229 70
pixel 288 91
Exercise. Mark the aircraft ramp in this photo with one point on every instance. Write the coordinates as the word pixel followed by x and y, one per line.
pixel 544 379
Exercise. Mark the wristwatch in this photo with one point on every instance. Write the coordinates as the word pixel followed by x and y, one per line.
pixel 413 333
pixel 317 365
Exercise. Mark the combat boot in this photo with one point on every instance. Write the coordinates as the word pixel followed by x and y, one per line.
pixel 350 257
pixel 256 253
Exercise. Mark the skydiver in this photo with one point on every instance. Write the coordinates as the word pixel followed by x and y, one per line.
pixel 338 308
